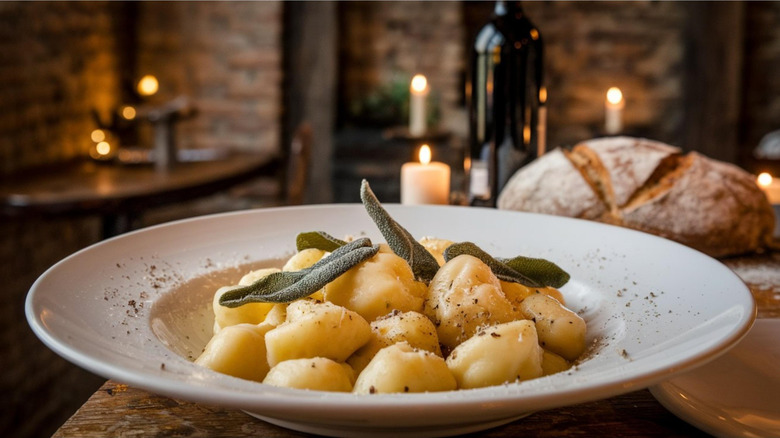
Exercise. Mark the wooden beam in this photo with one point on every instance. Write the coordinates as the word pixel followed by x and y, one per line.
pixel 712 70
pixel 310 56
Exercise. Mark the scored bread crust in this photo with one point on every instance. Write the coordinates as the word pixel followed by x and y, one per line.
pixel 531 190
pixel 706 204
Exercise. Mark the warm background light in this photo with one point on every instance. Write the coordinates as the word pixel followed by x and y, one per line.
pixel 98 135
pixel 128 112
pixel 764 179
pixel 419 83
pixel 148 85
pixel 543 95
pixel 103 148
pixel 425 154
pixel 614 95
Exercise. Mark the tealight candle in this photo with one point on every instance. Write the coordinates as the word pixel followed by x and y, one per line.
pixel 418 92
pixel 614 104
pixel 425 182
pixel 770 186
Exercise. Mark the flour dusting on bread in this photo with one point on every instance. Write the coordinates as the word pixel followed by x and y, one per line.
pixel 709 205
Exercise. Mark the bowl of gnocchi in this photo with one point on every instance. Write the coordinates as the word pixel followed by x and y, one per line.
pixel 350 319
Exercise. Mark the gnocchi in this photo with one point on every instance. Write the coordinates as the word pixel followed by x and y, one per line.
pixel 377 286
pixel 239 351
pixel 315 329
pixel 463 296
pixel 402 368
pixel 498 354
pixel 560 330
pixel 253 313
pixel 316 373
pixel 377 329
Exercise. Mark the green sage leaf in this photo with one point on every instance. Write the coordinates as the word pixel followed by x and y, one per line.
pixel 423 264
pixel 500 270
pixel 319 240
pixel 540 270
pixel 287 286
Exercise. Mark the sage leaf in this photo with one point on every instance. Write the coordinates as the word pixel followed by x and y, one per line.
pixel 319 240
pixel 423 264
pixel 540 270
pixel 288 286
pixel 504 271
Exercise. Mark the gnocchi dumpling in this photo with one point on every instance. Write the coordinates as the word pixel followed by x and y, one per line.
pixel 316 373
pixel 463 296
pixel 516 292
pixel 239 351
pixel 315 329
pixel 553 363
pixel 304 259
pixel 377 286
pixel 402 368
pixel 436 247
pixel 412 327
pixel 503 353
pixel 252 313
pixel 560 330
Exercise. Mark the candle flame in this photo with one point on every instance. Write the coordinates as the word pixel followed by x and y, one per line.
pixel 425 154
pixel 148 85
pixel 543 95
pixel 614 95
pixel 419 83
pixel 764 179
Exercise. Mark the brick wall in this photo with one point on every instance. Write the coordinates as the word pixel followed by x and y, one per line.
pixel 224 55
pixel 590 46
pixel 59 61
pixel 382 42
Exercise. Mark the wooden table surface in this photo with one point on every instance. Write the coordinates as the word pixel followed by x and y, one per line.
pixel 118 410
pixel 118 190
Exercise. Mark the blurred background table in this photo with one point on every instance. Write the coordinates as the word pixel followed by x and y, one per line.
pixel 121 192
pixel 116 409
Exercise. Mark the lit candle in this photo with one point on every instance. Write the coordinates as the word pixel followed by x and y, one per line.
pixel 770 186
pixel 614 108
pixel 541 128
pixel 418 94
pixel 425 182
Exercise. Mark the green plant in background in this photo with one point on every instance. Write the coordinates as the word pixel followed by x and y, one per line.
pixel 388 105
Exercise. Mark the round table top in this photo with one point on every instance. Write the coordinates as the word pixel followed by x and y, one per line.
pixel 87 186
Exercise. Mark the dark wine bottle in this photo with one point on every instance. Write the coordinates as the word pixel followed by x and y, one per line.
pixel 506 95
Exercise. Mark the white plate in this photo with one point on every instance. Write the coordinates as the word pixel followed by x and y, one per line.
pixel 124 309
pixel 736 395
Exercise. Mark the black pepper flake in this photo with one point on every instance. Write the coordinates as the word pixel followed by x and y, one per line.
pixel 495 335
pixel 406 389
pixel 372 390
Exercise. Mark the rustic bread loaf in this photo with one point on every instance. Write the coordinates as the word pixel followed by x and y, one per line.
pixel 709 205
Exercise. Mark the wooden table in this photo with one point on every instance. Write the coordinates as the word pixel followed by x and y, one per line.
pixel 118 410
pixel 120 192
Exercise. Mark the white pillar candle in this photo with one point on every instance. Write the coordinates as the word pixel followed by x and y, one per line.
pixel 425 182
pixel 614 105
pixel 418 91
